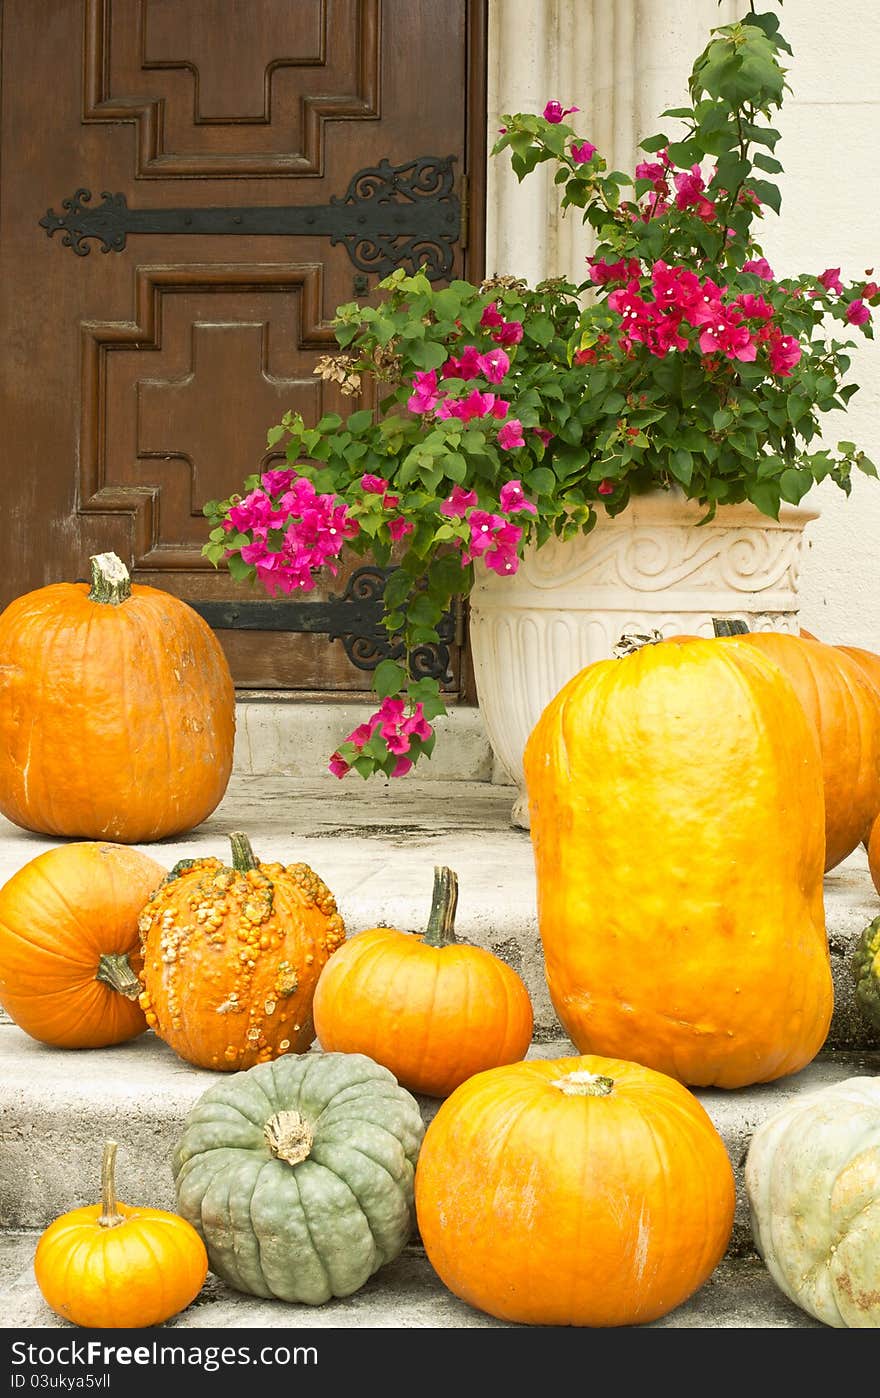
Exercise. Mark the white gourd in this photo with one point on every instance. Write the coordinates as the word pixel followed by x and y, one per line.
pixel 813 1183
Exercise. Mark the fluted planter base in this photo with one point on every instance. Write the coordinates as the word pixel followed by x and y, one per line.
pixel 652 568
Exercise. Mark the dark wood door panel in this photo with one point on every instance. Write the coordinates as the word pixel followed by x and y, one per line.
pixel 138 383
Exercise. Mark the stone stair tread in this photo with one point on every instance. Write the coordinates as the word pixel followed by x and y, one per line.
pixel 58 1105
pixel 376 843
pixel 406 1294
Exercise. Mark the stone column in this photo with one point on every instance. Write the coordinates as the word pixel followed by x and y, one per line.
pixel 621 62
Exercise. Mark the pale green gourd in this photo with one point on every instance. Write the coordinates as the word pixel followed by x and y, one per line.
pixel 813 1184
pixel 298 1174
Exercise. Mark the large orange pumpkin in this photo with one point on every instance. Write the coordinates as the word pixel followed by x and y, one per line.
pixel 842 703
pixel 678 825
pixel 117 711
pixel 576 1191
pixel 429 1008
pixel 232 957
pixel 867 660
pixel 69 944
pixel 874 853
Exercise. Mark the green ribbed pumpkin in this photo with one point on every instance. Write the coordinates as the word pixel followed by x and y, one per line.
pixel 298 1174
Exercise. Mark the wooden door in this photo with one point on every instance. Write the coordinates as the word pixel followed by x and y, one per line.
pixel 180 215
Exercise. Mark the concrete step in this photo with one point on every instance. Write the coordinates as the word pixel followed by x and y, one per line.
pixel 286 737
pixel 376 843
pixel 58 1106
pixel 405 1294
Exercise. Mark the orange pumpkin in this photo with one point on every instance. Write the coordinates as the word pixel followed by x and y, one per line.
pixel 867 660
pixel 232 957
pixel 117 711
pixel 69 945
pixel 577 1191
pixel 678 826
pixel 111 1266
pixel 842 704
pixel 431 1010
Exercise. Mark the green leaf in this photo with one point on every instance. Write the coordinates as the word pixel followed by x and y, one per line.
pixel 541 329
pixel 238 569
pixel 765 494
pixel 654 143
pixel 794 484
pixel 767 193
pixel 330 422
pixel 681 464
pixel 542 480
pixel 427 354
pixel 360 420
pixel 388 678
pixel 767 162
pixel 274 435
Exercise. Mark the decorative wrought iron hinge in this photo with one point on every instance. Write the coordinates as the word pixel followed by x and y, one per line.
pixel 355 619
pixel 390 216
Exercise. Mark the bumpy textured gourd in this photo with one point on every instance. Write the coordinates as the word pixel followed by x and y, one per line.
pixel 578 1191
pixel 111 1266
pixel 866 973
pixel 69 944
pixel 298 1174
pixel 231 957
pixel 677 819
pixel 813 1184
pixel 117 710
pixel 837 692
pixel 431 1009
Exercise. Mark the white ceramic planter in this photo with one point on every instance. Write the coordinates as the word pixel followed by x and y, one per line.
pixel 652 568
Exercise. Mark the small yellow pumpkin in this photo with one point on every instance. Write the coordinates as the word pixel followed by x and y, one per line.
pixel 112 1267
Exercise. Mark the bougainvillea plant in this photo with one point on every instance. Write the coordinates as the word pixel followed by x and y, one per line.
pixel 507 414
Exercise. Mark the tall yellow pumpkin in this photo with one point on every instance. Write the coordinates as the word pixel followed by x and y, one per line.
pixel 677 819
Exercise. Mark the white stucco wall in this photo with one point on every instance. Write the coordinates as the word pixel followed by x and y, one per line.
pixel 622 62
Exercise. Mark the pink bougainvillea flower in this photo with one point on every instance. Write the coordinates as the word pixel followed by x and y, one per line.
pixel 491 316
pixel 509 333
pixel 401 767
pixel 653 171
pixel 830 279
pixel 513 499
pixel 582 152
pixel 510 436
pixel 417 726
pixel 483 526
pixel 606 487
pixel 255 511
pixel 676 288
pixel 390 502
pixel 476 404
pixel 554 112
pixel 585 356
pixel 754 307
pixel 543 435
pixel 373 485
pixel 278 480
pixel 759 267
pixel 424 396
pixel 784 352
pixel 466 366
pixel 857 313
pixel 338 766
pixel 494 365
pixel 399 527
pixel 459 502
pixel 870 291
pixel 689 185
pixel 602 272
pixel 725 334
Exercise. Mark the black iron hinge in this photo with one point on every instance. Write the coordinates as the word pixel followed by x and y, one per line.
pixel 390 216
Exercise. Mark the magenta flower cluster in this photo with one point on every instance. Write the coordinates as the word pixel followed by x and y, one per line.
pixel 397 728
pixel 315 530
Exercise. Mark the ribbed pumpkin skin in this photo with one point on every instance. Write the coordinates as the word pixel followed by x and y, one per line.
pixel 813 1184
pixel 231 960
pixel 116 721
pixel 841 702
pixel 432 1015
pixel 59 914
pixel 140 1273
pixel 678 827
pixel 867 660
pixel 317 1228
pixel 554 1209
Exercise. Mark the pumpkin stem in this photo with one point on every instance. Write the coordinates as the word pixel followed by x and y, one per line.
pixel 109 1217
pixel 243 857
pixel 114 969
pixel 729 626
pixel 288 1136
pixel 111 581
pixel 584 1085
pixel 441 923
